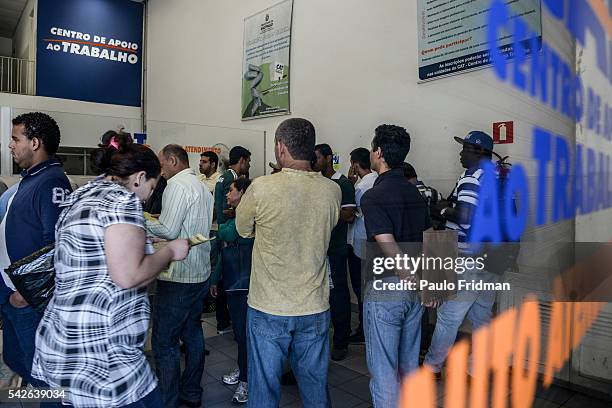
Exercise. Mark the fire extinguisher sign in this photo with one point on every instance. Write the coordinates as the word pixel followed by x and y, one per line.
pixel 503 132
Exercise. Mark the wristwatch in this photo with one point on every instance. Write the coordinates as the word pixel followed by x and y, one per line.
pixel 443 212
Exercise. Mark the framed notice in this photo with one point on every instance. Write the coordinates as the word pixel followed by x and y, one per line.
pixel 265 62
pixel 453 34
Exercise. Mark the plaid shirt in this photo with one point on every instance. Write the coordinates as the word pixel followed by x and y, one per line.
pixel 92 335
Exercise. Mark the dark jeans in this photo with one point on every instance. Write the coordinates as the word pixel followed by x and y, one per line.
pixel 151 400
pixel 301 339
pixel 340 301
pixel 177 313
pixel 354 265
pixel 237 303
pixel 221 307
pixel 426 331
pixel 19 337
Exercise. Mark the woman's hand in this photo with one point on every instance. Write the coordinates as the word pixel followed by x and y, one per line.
pixel 179 248
pixel 214 291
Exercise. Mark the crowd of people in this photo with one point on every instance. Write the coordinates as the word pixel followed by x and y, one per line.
pixel 278 254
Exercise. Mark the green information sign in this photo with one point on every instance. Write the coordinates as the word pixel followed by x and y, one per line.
pixel 265 73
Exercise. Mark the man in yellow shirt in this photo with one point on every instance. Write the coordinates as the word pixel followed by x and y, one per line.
pixel 209 170
pixel 291 213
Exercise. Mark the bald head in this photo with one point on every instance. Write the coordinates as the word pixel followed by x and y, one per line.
pixel 173 159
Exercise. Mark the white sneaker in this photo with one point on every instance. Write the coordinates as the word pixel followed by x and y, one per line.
pixel 241 395
pixel 232 378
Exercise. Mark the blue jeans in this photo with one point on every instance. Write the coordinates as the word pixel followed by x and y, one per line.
pixel 273 339
pixel 477 306
pixel 176 315
pixel 19 338
pixel 392 328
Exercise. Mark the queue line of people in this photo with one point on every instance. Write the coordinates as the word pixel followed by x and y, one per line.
pixel 91 336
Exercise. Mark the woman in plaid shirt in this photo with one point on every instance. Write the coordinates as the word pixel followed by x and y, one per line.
pixel 92 335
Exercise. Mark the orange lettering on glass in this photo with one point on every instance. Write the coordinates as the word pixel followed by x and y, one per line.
pixel 527 351
pixel 456 377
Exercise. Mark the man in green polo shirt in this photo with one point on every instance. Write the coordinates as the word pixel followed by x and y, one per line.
pixel 239 165
pixel 339 298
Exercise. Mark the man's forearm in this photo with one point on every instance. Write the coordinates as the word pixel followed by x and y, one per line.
pixel 162 231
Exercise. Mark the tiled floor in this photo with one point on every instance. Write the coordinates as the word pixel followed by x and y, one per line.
pixel 348 381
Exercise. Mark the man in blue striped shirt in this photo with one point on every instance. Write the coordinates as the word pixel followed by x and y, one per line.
pixel 477 148
pixel 476 305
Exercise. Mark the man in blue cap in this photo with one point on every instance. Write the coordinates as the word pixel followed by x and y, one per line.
pixel 477 306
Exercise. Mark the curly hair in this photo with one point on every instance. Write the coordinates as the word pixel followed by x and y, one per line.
pixel 41 126
pixel 394 141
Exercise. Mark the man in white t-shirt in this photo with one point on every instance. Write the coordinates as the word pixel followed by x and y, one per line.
pixel 360 174
pixel 209 170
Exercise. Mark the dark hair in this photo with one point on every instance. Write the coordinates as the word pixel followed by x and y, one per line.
pixel 324 149
pixel 41 126
pixel 212 156
pixel 130 158
pixel 176 151
pixel 361 156
pixel 120 137
pixel 237 153
pixel 299 136
pixel 242 183
pixel 394 142
pixel 409 171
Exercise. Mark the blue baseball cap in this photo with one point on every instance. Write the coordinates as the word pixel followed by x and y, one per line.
pixel 477 138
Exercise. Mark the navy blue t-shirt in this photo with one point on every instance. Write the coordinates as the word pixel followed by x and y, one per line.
pixel 31 218
pixel 395 206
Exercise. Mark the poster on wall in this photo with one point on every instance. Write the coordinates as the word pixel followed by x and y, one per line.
pixel 265 63
pixel 90 50
pixel 453 34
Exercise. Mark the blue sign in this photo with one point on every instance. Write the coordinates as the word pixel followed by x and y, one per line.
pixel 141 138
pixel 90 50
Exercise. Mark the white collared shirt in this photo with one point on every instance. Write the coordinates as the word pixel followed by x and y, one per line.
pixel 187 209
pixel 356 235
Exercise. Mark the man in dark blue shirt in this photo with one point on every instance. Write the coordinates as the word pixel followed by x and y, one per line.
pixel 28 225
pixel 394 213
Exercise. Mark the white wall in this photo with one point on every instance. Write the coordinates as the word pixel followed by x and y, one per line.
pixel 6 47
pixel 353 67
pixel 81 123
pixel 24 40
